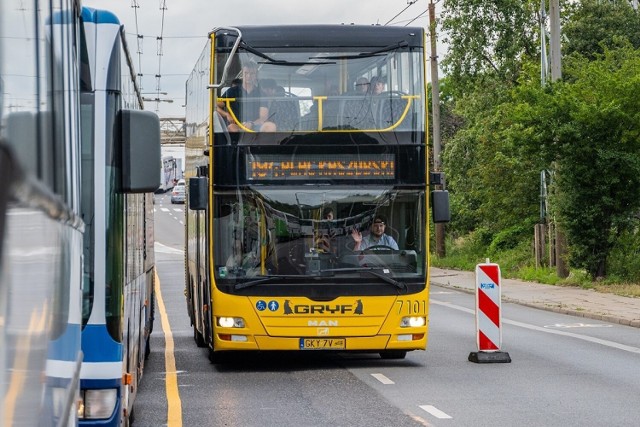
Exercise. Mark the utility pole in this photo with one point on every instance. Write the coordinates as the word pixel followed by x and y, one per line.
pixel 435 108
pixel 544 63
pixel 562 270
pixel 556 56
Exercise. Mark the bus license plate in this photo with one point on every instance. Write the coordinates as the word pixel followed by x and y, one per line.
pixel 322 343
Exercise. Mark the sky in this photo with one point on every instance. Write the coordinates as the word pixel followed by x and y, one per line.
pixel 185 24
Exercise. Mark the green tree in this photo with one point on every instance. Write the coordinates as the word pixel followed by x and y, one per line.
pixel 494 163
pixel 488 40
pixel 508 127
pixel 488 37
pixel 592 25
pixel 599 154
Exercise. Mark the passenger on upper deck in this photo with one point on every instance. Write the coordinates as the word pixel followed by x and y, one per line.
pixel 376 236
pixel 377 85
pixel 270 88
pixel 362 85
pixel 248 105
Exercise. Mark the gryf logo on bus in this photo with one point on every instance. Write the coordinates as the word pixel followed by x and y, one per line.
pixel 323 308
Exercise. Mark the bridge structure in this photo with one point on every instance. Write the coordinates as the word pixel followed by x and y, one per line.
pixel 172 131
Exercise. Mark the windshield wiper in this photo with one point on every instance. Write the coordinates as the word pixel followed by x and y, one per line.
pixel 400 45
pixel 272 61
pixel 373 272
pixel 370 270
pixel 264 279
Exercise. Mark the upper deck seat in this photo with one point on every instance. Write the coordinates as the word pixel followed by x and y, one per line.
pixel 285 113
pixel 391 109
pixel 358 112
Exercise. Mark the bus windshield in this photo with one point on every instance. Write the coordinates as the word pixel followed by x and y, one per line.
pixel 309 234
pixel 335 89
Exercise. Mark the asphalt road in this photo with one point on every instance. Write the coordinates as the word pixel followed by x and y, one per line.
pixel 565 371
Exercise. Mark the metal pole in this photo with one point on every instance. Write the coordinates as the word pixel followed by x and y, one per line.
pixel 562 269
pixel 435 110
pixel 544 63
pixel 556 57
pixel 435 88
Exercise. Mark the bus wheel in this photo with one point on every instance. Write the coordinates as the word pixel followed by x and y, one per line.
pixel 198 338
pixel 147 348
pixel 393 354
pixel 131 418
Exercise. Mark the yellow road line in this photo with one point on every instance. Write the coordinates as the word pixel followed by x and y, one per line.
pixel 174 405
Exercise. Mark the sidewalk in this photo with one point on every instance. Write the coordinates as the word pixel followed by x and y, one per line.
pixel 567 300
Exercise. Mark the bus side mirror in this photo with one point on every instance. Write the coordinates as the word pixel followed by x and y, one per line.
pixel 198 193
pixel 140 155
pixel 440 206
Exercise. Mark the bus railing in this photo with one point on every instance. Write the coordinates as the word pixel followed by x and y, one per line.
pixel 337 113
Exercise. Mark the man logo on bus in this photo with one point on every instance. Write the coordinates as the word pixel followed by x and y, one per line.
pixel 357 308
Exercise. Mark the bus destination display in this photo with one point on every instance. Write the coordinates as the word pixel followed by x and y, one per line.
pixel 320 166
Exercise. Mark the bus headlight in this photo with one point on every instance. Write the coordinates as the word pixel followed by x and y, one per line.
pixel 231 322
pixel 98 403
pixel 412 322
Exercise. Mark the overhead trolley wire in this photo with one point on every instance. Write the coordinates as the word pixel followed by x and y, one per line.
pixel 139 40
pixel 417 17
pixel 410 3
pixel 163 8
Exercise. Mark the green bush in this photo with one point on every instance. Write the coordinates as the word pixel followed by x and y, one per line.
pixel 624 259
pixel 510 238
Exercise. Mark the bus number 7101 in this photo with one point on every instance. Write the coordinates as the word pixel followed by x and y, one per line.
pixel 412 307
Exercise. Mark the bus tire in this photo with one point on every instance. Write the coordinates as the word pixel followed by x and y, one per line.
pixel 198 338
pixel 132 417
pixel 393 354
pixel 147 348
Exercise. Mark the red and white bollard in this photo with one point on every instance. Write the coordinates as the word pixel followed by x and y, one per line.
pixel 488 316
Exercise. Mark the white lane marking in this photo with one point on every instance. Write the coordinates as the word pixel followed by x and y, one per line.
pixel 159 247
pixel 164 209
pixel 435 412
pixel 577 325
pixel 382 378
pixel 177 210
pixel 606 343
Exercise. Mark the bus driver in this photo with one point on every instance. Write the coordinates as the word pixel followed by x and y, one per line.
pixel 376 236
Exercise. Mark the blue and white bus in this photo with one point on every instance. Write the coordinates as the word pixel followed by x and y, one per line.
pixel 41 229
pixel 76 217
pixel 120 172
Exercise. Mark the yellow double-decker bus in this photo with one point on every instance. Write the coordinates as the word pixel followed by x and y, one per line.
pixel 307 223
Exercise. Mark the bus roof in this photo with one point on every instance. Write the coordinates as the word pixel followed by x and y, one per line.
pixel 266 36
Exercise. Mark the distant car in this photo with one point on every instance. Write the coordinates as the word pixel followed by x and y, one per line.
pixel 181 182
pixel 177 195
